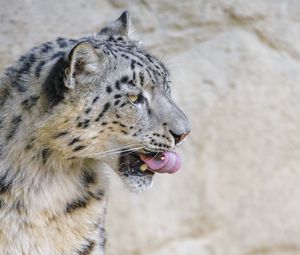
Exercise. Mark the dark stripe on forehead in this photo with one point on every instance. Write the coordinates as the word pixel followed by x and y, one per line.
pixel 150 75
pixel 142 78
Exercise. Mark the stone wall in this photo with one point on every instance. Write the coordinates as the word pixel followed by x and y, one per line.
pixel 236 73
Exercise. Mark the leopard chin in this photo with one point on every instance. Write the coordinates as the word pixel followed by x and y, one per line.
pixel 133 172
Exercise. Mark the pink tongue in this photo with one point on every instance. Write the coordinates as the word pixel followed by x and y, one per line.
pixel 170 164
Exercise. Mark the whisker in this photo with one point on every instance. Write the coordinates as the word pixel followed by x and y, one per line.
pixel 119 150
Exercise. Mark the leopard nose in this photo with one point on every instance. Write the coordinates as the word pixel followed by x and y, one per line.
pixel 179 137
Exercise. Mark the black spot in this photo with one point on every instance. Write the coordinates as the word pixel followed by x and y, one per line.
pixel 131 82
pixel 1 203
pixel 79 147
pixel 75 140
pixel 89 177
pixel 122 125
pixel 117 96
pixel 46 47
pixel 124 132
pixel 140 64
pixel 117 102
pixel 62 42
pixel 132 65
pixel 30 144
pixel 149 111
pixel 76 204
pixel 95 99
pixel 118 116
pixel 26 65
pixel 88 110
pixel 149 58
pixel 16 81
pixel 122 105
pixel 73 41
pixel 5 181
pixel 117 85
pixel 124 79
pixel 4 95
pixel 102 237
pixel 45 154
pixel 105 108
pixel 53 87
pixel 59 54
pixel 39 68
pixel 108 89
pixel 29 102
pixel 86 123
pixel 105 30
pixel 15 122
pixel 61 134
pixel 19 85
pixel 124 56
pixel 87 248
pixel 133 76
pixel 98 195
pixel 104 123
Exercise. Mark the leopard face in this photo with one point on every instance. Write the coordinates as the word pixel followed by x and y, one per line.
pixel 117 106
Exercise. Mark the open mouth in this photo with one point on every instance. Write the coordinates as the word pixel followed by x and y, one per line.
pixel 141 164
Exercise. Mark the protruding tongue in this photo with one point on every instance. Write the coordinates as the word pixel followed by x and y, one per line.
pixel 169 163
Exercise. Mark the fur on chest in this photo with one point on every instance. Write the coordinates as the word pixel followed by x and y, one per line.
pixel 53 212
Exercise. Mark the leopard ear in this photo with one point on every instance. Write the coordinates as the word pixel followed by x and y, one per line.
pixel 82 59
pixel 118 27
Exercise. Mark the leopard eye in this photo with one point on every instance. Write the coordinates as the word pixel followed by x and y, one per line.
pixel 135 99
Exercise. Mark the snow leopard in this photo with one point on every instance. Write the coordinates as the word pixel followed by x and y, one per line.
pixel 70 110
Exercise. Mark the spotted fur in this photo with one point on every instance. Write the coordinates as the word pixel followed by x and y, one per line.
pixel 66 116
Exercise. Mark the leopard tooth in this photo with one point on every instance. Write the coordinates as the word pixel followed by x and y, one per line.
pixel 143 167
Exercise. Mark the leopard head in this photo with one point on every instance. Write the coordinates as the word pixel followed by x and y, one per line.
pixel 118 107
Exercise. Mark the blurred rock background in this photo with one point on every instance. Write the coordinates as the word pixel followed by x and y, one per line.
pixel 236 73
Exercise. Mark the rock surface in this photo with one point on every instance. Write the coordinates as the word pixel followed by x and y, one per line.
pixel 236 73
